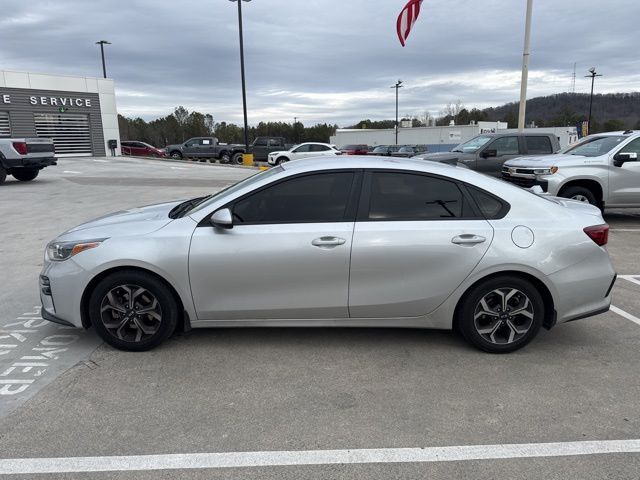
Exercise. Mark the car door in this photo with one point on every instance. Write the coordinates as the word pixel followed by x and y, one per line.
pixel 417 237
pixel 624 180
pixel 286 257
pixel 505 148
pixel 192 148
pixel 302 151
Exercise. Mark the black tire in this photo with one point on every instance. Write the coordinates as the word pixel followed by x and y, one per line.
pixel 582 194
pixel 3 174
pixel 474 326
pixel 176 154
pixel 280 160
pixel 237 158
pixel 123 332
pixel 25 174
pixel 225 157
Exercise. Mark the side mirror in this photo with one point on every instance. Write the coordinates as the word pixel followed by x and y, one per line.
pixel 620 158
pixel 222 218
pixel 489 153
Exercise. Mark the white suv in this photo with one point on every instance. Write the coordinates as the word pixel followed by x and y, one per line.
pixel 603 169
pixel 309 149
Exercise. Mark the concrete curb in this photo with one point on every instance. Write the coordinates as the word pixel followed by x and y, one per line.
pixel 195 162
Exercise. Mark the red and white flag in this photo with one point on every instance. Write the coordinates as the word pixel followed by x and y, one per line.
pixel 407 18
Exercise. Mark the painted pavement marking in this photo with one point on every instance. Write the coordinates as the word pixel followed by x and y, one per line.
pixel 33 352
pixel 314 457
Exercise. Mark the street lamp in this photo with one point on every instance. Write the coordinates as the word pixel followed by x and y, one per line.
pixel 244 90
pixel 592 75
pixel 397 86
pixel 102 43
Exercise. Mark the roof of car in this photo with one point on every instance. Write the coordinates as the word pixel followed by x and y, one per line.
pixel 331 162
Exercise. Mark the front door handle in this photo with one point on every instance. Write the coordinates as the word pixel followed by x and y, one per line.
pixel 327 242
pixel 467 239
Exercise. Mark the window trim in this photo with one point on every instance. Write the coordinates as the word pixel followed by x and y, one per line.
pixel 365 199
pixel 349 212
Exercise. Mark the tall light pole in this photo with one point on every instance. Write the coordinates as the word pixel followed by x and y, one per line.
pixel 244 88
pixel 593 75
pixel 397 86
pixel 525 67
pixel 102 43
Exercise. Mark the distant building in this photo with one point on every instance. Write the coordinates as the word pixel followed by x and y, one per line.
pixel 437 139
pixel 78 113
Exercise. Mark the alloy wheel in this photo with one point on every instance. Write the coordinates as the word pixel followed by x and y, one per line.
pixel 130 313
pixel 503 316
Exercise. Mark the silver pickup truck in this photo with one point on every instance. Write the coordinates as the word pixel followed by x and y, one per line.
pixel 25 157
pixel 603 169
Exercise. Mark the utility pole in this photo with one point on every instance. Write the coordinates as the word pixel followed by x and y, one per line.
pixel 397 86
pixel 248 158
pixel 525 67
pixel 593 75
pixel 102 43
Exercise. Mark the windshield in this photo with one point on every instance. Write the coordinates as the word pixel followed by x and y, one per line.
pixel 380 149
pixel 596 146
pixel 237 186
pixel 473 145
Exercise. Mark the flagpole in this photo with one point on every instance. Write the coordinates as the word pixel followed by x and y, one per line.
pixel 525 67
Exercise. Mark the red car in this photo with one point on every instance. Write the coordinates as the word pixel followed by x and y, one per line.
pixel 355 150
pixel 141 149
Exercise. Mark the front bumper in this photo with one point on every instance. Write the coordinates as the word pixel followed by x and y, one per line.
pixel 29 162
pixel 525 182
pixel 61 292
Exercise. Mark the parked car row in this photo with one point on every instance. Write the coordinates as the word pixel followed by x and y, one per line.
pixel 404 151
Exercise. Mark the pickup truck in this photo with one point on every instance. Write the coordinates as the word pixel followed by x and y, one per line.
pixel 603 169
pixel 487 152
pixel 25 157
pixel 210 148
pixel 206 148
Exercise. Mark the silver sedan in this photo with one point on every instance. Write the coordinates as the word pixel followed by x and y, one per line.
pixel 350 242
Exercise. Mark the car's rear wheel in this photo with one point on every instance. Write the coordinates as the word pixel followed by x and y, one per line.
pixel 25 174
pixel 133 310
pixel 501 315
pixel 225 158
pixel 3 174
pixel 581 194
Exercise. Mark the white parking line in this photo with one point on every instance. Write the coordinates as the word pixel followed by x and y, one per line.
pixel 631 278
pixel 100 161
pixel 624 229
pixel 313 457
pixel 70 171
pixel 624 314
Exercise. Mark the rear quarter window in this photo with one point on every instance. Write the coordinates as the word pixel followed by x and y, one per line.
pixel 491 206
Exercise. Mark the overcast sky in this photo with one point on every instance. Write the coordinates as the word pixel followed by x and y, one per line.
pixel 322 60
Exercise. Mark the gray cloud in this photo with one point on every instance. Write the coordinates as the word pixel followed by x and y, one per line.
pixel 323 60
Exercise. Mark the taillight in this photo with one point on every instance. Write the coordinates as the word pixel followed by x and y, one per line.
pixel 598 233
pixel 20 147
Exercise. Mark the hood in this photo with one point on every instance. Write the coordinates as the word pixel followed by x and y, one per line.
pixel 279 152
pixel 450 158
pixel 135 221
pixel 543 161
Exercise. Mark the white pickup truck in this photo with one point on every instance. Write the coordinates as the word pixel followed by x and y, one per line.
pixel 25 157
pixel 603 169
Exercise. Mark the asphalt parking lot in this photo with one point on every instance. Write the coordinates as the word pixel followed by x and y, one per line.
pixel 284 394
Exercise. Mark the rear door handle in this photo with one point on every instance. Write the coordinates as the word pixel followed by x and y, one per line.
pixel 467 239
pixel 327 242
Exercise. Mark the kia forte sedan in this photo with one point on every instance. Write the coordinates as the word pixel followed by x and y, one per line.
pixel 351 242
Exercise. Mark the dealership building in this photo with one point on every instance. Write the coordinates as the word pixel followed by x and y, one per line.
pixel 78 113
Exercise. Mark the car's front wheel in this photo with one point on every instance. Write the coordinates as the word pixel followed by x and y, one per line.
pixel 3 174
pixel 133 310
pixel 581 194
pixel 237 158
pixel 176 155
pixel 281 160
pixel 501 315
pixel 25 174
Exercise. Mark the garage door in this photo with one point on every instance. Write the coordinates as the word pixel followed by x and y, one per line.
pixel 5 127
pixel 70 132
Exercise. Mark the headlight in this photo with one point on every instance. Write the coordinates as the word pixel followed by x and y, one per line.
pixel 545 171
pixel 59 251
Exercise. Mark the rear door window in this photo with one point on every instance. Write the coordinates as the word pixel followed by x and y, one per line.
pixel 538 145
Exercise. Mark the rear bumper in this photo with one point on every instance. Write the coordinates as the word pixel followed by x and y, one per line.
pixel 29 162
